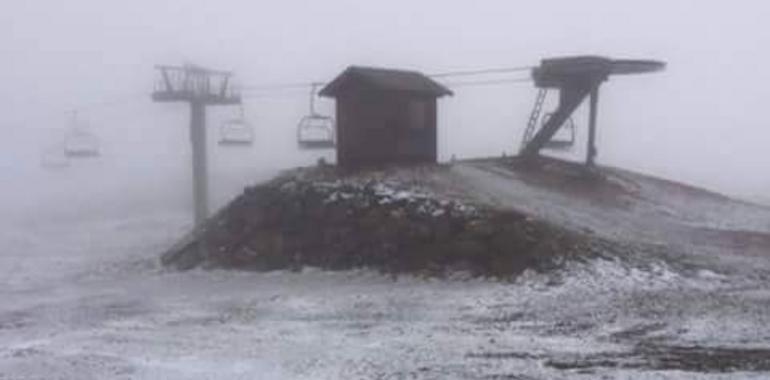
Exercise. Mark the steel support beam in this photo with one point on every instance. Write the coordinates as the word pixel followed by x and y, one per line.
pixel 192 84
pixel 570 98
pixel 577 78
pixel 591 152
pixel 199 162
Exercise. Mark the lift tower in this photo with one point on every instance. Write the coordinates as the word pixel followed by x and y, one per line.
pixel 576 78
pixel 200 88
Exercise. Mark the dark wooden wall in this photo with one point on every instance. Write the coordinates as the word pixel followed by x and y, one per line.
pixel 376 128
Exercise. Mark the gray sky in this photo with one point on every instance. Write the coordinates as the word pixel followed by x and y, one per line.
pixel 698 122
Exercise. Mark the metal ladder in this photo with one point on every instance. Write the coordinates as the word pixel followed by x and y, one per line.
pixel 534 117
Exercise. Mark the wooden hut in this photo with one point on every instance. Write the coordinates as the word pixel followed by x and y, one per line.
pixel 385 116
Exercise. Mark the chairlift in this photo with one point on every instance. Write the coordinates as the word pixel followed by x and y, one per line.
pixel 564 139
pixel 236 132
pixel 54 158
pixel 81 143
pixel 316 131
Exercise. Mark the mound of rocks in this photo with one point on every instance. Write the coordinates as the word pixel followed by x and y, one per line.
pixel 338 223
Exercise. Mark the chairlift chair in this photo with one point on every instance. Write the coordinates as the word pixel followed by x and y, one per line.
pixel 236 132
pixel 316 131
pixel 564 138
pixel 81 143
pixel 54 158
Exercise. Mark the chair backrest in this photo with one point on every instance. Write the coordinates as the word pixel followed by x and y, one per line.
pixel 559 141
pixel 316 131
pixel 236 132
pixel 54 158
pixel 81 144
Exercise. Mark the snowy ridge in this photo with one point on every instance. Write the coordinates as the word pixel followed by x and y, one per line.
pixel 89 301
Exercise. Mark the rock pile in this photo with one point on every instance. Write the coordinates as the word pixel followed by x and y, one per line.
pixel 340 224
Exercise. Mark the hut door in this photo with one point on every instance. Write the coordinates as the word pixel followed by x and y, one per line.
pixel 416 142
pixel 376 129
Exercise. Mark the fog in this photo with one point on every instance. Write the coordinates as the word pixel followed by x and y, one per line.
pixel 507 273
pixel 698 122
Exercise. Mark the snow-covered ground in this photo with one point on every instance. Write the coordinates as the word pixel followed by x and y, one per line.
pixel 85 298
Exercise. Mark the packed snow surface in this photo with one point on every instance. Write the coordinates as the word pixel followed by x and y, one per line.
pixel 86 299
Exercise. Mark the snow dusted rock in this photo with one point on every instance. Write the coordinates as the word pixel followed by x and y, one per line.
pixel 392 222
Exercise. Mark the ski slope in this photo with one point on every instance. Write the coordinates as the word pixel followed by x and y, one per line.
pixel 85 298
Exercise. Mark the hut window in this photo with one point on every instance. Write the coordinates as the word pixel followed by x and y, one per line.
pixel 417 112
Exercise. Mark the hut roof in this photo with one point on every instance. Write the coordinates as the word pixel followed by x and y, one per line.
pixel 385 80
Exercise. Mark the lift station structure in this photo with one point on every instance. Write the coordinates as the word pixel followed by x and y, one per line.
pixel 576 78
pixel 200 88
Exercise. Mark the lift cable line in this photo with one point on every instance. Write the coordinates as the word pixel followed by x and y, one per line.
pixel 278 86
pixel 267 94
pixel 81 108
pixel 489 82
pixel 124 100
pixel 140 96
pixel 502 70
